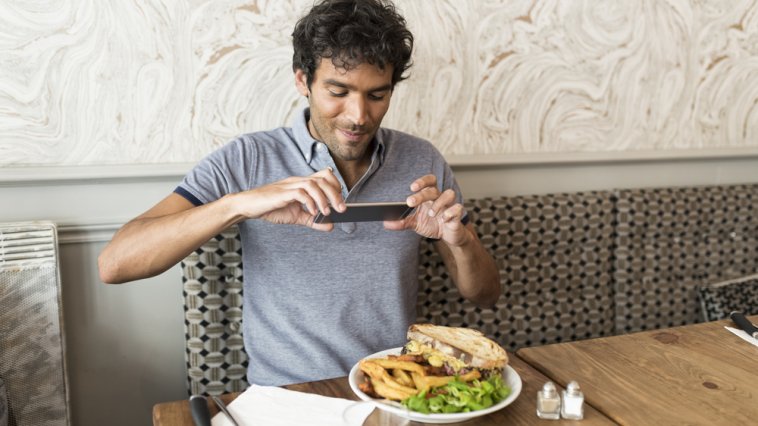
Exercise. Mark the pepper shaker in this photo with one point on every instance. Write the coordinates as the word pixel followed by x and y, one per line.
pixel 573 399
pixel 548 402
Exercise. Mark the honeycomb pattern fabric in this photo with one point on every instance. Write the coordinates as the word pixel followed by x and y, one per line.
pixel 671 240
pixel 720 299
pixel 554 255
pixel 212 290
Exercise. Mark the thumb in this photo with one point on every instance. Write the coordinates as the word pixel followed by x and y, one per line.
pixel 310 221
pixel 395 225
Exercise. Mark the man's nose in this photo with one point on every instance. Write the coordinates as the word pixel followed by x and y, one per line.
pixel 357 110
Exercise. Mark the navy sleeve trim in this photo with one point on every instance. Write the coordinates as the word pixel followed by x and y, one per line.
pixel 186 194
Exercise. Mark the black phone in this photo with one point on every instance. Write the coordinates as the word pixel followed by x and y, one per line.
pixel 367 212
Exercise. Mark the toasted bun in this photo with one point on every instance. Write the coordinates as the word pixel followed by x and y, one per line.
pixel 484 352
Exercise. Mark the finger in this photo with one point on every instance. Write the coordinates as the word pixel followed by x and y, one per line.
pixel 332 189
pixel 319 190
pixel 442 202
pixel 423 182
pixel 453 214
pixel 429 193
pixel 304 198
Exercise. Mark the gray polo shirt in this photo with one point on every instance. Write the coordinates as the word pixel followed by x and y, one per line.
pixel 317 302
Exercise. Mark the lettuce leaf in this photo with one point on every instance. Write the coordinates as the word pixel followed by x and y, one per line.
pixel 459 397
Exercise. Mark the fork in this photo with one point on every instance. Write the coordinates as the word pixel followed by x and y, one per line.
pixel 221 406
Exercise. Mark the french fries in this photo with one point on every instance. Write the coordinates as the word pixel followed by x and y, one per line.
pixel 396 379
pixel 402 377
pixel 380 377
pixel 426 382
pixel 403 365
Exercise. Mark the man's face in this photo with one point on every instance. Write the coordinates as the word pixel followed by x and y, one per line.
pixel 347 107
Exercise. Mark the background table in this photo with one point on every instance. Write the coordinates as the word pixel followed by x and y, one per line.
pixel 520 412
pixel 694 374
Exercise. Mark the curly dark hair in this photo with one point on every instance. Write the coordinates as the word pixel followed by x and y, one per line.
pixel 351 32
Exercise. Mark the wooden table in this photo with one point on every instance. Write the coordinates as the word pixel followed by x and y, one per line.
pixel 695 374
pixel 520 412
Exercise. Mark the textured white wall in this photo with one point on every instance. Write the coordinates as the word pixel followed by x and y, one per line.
pixel 86 82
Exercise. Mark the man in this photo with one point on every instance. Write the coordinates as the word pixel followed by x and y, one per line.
pixel 319 297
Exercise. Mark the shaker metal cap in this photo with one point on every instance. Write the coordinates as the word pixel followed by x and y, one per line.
pixel 573 388
pixel 548 390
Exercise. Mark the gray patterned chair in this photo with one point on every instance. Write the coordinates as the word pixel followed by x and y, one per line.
pixel 718 300
pixel 549 248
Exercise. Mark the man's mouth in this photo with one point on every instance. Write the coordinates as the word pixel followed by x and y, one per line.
pixel 352 136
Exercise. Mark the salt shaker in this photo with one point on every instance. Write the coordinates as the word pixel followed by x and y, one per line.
pixel 573 402
pixel 548 402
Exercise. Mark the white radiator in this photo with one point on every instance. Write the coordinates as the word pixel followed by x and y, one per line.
pixel 32 356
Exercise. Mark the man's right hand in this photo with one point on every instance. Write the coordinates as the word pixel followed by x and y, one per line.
pixel 296 200
pixel 140 248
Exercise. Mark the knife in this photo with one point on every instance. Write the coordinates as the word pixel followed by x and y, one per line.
pixel 199 409
pixel 744 324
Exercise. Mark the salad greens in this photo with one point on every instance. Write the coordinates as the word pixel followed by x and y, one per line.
pixel 459 397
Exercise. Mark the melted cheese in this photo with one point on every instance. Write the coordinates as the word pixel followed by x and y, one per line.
pixel 433 356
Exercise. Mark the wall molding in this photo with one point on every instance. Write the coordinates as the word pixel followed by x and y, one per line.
pixel 43 175
pixel 84 233
pixel 577 158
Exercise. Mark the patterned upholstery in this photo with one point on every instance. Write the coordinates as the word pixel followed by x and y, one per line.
pixel 719 299
pixel 212 279
pixel 670 240
pixel 554 254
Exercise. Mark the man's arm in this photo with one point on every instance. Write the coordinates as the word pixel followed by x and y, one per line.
pixel 473 269
pixel 162 236
pixel 159 238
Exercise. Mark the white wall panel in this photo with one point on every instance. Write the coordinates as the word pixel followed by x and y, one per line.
pixel 161 81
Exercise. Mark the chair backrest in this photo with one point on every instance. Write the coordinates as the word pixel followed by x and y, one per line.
pixel 554 254
pixel 32 353
pixel 718 300
pixel 669 241
pixel 212 290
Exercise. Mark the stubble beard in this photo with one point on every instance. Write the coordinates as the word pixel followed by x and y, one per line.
pixel 329 135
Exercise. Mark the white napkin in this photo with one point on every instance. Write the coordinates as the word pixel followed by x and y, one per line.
pixel 742 335
pixel 274 406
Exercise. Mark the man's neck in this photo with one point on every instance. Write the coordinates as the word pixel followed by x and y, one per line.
pixel 352 171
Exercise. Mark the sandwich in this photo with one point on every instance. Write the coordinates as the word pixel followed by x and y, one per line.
pixel 456 351
pixel 440 370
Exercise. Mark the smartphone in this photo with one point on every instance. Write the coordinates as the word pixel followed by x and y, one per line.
pixel 367 212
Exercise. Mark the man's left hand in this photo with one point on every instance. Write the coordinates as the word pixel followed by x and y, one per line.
pixel 437 215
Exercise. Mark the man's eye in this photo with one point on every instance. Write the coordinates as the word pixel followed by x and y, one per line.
pixel 337 94
pixel 374 97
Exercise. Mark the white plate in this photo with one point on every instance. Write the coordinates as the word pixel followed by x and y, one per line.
pixel 510 378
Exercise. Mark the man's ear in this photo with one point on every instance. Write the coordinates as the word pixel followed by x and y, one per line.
pixel 301 82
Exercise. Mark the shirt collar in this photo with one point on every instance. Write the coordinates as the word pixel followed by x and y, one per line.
pixel 307 144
